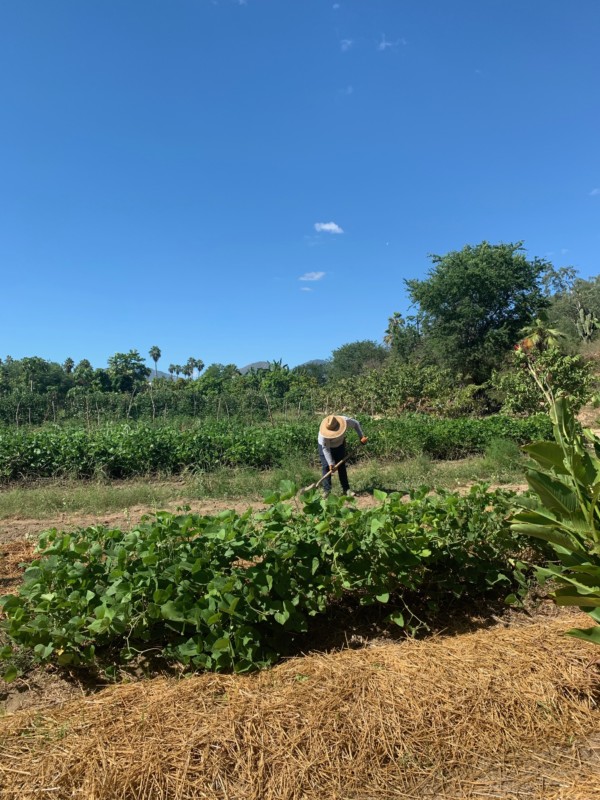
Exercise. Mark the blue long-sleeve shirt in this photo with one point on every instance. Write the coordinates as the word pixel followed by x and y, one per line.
pixel 327 444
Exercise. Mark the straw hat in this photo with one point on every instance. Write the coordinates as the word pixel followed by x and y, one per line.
pixel 332 427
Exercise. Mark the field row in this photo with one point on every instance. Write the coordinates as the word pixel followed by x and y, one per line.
pixel 233 591
pixel 127 450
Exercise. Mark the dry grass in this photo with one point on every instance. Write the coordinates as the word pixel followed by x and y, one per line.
pixel 501 713
pixel 12 554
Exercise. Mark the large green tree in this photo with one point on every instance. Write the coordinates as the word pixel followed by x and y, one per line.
pixel 127 371
pixel 356 358
pixel 475 302
pixel 33 374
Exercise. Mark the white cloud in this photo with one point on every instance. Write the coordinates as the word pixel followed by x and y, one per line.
pixel 312 276
pixel 346 44
pixel 328 227
pixel 348 91
pixel 336 6
pixel 594 192
pixel 305 289
pixel 564 251
pixel 384 43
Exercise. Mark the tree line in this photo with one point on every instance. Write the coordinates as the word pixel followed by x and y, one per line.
pixel 457 348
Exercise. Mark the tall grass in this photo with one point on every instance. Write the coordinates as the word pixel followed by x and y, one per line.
pixel 52 497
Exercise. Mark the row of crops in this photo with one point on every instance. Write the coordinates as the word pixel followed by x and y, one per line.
pixel 235 591
pixel 125 450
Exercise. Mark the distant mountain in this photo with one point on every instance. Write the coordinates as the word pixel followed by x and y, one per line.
pixel 160 374
pixel 254 365
pixel 316 361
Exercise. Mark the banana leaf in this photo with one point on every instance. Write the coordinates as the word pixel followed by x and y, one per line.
pixel 587 634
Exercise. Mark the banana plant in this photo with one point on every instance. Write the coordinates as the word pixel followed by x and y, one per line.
pixel 565 511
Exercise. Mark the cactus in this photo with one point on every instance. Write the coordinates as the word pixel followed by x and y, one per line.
pixel 587 324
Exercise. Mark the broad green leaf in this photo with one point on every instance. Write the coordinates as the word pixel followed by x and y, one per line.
pixel 376 524
pixel 43 651
pixel 587 584
pixel 576 600
pixel 10 674
pixel 549 455
pixel 547 534
pixel 282 616
pixel 170 612
pixel 189 648
pixel 554 495
pixel 587 634
pixel 287 490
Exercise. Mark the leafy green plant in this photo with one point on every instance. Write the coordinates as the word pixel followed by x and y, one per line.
pixel 232 591
pixel 127 450
pixel 518 390
pixel 566 512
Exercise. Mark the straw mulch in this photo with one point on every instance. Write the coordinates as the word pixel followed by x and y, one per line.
pixel 500 713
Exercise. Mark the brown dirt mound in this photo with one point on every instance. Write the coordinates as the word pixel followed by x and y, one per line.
pixel 500 713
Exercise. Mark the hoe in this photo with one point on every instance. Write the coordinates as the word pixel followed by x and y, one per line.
pixel 320 481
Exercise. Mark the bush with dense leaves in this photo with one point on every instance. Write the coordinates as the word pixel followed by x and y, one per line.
pixel 126 450
pixel 232 591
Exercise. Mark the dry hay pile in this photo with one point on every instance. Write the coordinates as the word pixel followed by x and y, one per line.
pixel 501 713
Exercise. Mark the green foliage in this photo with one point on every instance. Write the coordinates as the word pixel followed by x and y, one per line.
pixel 403 336
pixel 399 387
pixel 127 371
pixel 155 355
pixel 517 389
pixel 317 369
pixel 33 374
pixel 232 591
pixel 357 357
pixel 566 513
pixel 122 451
pixel 501 457
pixel 474 303
pixel 575 308
pixel 540 336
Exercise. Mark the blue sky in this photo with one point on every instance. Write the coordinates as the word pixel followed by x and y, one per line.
pixel 239 181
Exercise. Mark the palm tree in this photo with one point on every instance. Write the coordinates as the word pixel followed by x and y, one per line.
pixel 155 354
pixel 540 336
pixel 171 370
pixel 68 365
pixel 199 364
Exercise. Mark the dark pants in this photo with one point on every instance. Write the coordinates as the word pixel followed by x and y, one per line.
pixel 338 453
